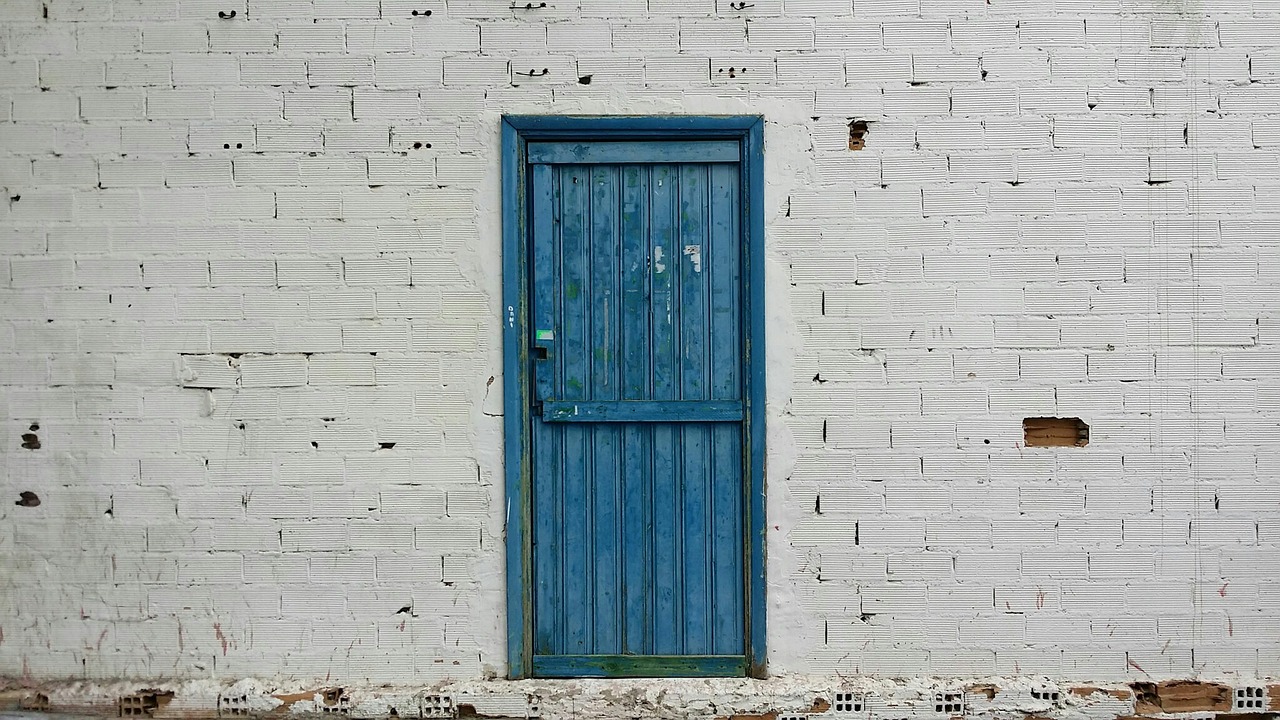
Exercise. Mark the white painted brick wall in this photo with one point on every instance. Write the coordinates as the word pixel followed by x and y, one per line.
pixel 250 271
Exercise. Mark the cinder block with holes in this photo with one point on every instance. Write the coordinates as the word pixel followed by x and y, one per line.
pixel 848 703
pixel 1046 693
pixel 233 705
pixel 1249 699
pixel 949 703
pixel 142 704
pixel 437 707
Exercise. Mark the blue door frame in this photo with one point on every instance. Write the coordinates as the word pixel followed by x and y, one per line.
pixel 517 133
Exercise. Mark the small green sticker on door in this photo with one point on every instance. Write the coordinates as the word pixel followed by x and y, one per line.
pixel 546 335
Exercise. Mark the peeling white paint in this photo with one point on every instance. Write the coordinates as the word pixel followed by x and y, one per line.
pixel 695 256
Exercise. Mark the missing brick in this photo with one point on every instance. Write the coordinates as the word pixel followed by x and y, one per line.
pixel 1180 696
pixel 38 702
pixel 336 702
pixel 858 134
pixel 1055 432
pixel 142 704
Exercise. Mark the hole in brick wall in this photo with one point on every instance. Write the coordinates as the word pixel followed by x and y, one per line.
pixel 28 499
pixel 1055 432
pixel 847 702
pixel 857 134
pixel 437 707
pixel 30 441
pixel 584 80
pixel 1250 699
pixel 950 703
pixel 144 703
pixel 1045 693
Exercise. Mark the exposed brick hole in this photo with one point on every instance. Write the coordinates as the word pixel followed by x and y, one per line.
pixel 847 702
pixel 1055 432
pixel 233 705
pixel 857 134
pixel 584 80
pixel 406 610
pixel 28 499
pixel 226 15
pixel 1045 693
pixel 386 445
pixel 987 691
pixel 950 703
pixel 37 703
pixel 1181 696
pixel 423 13
pixel 30 441
pixel 144 703
pixel 1250 699
pixel 336 702
pixel 420 145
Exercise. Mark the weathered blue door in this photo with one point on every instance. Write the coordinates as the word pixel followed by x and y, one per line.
pixel 636 297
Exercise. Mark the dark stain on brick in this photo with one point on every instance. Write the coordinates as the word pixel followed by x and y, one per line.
pixel 28 499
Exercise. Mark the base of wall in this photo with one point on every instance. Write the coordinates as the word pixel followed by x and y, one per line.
pixel 717 699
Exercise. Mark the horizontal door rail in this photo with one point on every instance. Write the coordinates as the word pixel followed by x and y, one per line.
pixel 695 151
pixel 614 666
pixel 625 411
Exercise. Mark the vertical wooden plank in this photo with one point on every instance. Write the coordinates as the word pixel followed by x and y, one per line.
pixel 546 439
pixel 694 384
pixel 753 219
pixel 724 254
pixel 574 351
pixel 637 576
pixel 518 444
pixel 667 506
pixel 606 385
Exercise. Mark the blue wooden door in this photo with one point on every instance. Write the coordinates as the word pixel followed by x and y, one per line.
pixel 637 360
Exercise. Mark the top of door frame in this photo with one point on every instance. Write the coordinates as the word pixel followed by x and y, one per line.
pixel 517 131
pixel 612 127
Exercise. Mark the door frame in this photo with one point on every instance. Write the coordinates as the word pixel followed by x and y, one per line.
pixel 517 131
